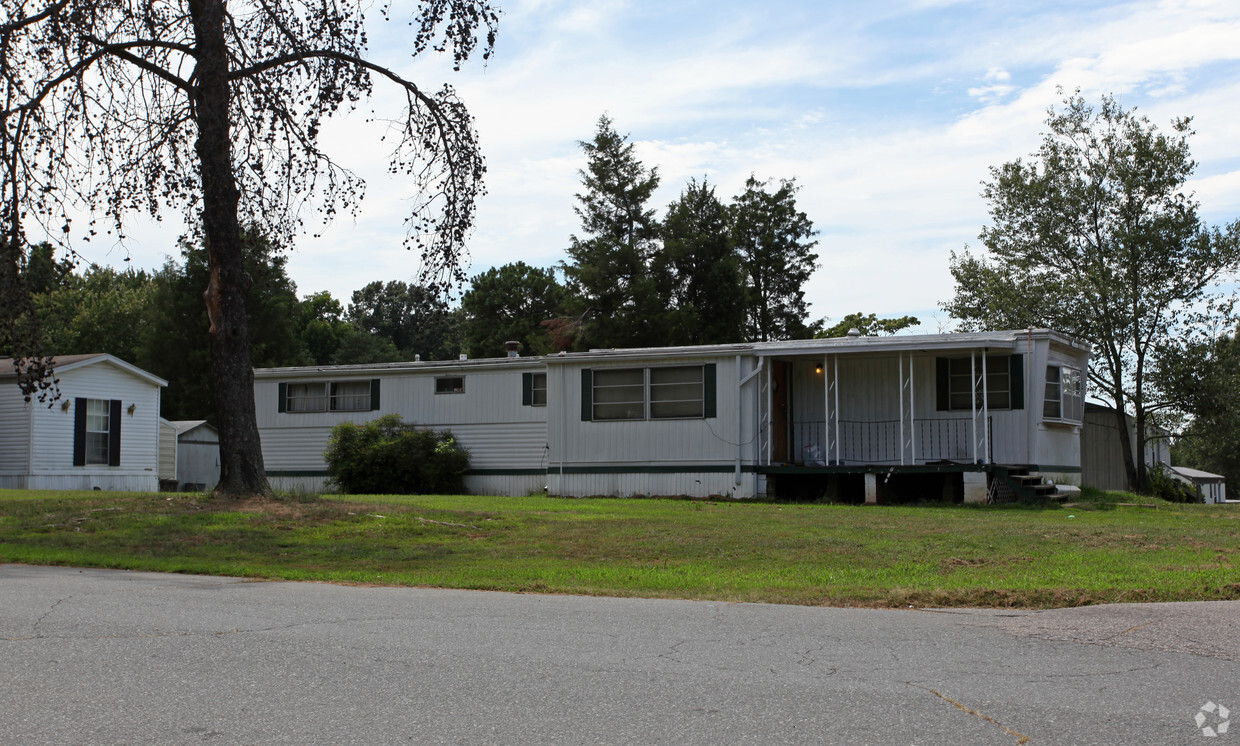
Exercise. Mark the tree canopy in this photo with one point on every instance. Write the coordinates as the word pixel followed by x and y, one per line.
pixel 1095 236
pixel 192 105
pixel 774 239
pixel 610 268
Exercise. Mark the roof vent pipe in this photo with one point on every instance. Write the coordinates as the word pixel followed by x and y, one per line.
pixel 417 358
pixel 513 347
pixel 854 332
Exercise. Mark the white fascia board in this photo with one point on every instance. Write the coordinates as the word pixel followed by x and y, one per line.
pixel 117 362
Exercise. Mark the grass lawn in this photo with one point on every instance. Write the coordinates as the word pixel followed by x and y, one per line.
pixel 1111 547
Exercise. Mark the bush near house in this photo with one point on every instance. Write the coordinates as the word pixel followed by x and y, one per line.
pixel 388 457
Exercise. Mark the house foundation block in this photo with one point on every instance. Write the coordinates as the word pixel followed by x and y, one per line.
pixel 975 487
pixel 871 489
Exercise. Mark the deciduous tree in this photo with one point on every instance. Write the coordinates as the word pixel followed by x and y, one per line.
pixel 511 303
pixel 216 110
pixel 1096 236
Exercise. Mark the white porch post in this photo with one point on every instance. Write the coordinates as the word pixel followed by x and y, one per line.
pixel 835 378
pixel 912 410
pixel 900 391
pixel 769 413
pixel 826 410
pixel 985 407
pixel 973 399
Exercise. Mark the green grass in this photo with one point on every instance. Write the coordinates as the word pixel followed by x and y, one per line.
pixel 1108 547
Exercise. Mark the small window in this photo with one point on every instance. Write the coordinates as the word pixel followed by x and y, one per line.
pixel 98 430
pixel 450 385
pixel 1063 399
pixel 538 390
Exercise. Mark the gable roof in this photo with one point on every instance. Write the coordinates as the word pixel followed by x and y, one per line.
pixel 64 363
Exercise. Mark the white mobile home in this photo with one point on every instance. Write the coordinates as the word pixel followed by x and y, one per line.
pixel 103 432
pixel 495 408
pixel 872 416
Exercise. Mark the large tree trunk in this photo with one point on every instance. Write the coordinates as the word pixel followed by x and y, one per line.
pixel 241 459
pixel 1125 445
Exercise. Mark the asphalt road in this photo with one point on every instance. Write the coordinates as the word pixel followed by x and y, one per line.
pixel 106 657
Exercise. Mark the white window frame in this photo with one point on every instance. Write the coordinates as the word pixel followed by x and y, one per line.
pixel 98 428
pixel 1063 399
pixel 538 389
pixel 447 386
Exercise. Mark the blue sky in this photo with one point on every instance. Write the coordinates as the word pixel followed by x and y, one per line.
pixel 888 114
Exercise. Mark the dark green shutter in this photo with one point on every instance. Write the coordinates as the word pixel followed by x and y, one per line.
pixel 709 388
pixel 374 394
pixel 79 432
pixel 1016 366
pixel 283 405
pixel 527 389
pixel 587 395
pixel 114 434
pixel 942 384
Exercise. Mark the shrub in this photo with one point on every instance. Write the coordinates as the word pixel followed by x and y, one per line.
pixel 388 456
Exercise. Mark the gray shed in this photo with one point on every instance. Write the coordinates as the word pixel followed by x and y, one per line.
pixel 198 455
pixel 1102 456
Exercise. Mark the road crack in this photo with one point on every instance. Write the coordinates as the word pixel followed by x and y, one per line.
pixel 1021 738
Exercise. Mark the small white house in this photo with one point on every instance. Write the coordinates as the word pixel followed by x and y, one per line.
pixel 102 433
pixel 950 412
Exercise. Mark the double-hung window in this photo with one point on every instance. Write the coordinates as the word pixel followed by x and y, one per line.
pixel 654 393
pixel 97 432
pixel 534 389
pixel 1063 399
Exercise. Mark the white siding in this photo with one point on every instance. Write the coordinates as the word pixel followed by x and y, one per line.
pixel 167 450
pixel 53 428
pixel 14 432
pixel 693 484
pixel 47 433
pixel 488 419
pixel 690 441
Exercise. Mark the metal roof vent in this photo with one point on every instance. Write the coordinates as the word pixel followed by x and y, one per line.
pixel 854 332
pixel 463 357
pixel 513 347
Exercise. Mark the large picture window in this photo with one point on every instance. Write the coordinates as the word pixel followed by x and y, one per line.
pixel 656 393
pixel 1004 386
pixel 329 396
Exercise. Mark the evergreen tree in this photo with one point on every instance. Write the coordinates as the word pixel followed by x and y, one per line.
pixel 776 250
pixel 699 272
pixel 610 271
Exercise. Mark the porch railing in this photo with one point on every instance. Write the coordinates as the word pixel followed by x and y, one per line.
pixel 878 442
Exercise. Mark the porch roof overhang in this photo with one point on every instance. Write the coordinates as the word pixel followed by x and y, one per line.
pixel 925 343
